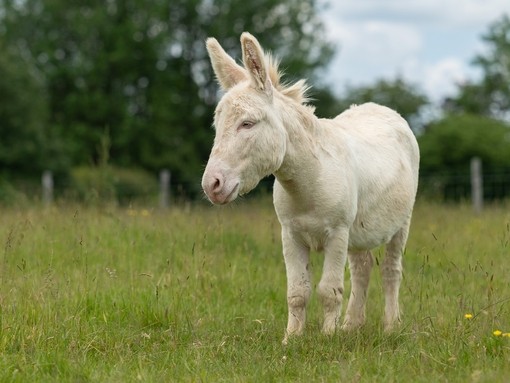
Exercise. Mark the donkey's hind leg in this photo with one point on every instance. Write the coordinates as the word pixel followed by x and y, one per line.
pixel 360 265
pixel 391 271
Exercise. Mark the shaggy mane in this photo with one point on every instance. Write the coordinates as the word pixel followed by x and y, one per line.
pixel 297 91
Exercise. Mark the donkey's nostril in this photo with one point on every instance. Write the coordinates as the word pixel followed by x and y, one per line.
pixel 217 183
pixel 214 183
pixel 219 188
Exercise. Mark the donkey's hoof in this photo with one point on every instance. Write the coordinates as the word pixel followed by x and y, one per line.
pixel 329 327
pixel 287 337
pixel 292 333
pixel 352 325
pixel 391 327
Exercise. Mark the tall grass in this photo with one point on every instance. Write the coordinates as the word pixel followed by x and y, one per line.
pixel 198 294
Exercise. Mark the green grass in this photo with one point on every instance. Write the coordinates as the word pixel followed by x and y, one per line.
pixel 198 294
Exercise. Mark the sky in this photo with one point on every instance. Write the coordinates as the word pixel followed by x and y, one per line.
pixel 430 43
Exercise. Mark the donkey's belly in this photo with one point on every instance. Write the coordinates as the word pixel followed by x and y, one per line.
pixel 362 236
pixel 377 227
pixel 362 239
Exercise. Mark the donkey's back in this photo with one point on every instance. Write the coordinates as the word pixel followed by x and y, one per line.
pixel 379 125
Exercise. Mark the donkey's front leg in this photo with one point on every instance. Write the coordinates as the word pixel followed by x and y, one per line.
pixel 331 285
pixel 298 283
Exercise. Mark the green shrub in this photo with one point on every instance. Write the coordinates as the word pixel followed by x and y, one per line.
pixel 112 184
pixel 10 195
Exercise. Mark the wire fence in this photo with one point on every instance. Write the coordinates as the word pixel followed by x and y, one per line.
pixel 458 186
pixel 163 191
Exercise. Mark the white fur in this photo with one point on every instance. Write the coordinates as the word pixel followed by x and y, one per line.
pixel 343 186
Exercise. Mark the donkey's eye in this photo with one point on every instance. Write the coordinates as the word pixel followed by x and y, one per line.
pixel 246 125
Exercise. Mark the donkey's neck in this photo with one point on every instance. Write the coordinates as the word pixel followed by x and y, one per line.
pixel 301 162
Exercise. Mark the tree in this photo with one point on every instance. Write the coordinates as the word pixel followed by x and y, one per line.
pixel 491 95
pixel 449 144
pixel 27 145
pixel 396 94
pixel 96 61
pixel 137 70
pixel 447 147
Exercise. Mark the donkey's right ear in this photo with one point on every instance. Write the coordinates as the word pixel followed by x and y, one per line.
pixel 227 71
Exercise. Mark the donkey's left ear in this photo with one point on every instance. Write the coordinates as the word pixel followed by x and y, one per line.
pixel 255 62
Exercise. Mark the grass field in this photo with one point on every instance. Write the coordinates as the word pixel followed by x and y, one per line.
pixel 198 294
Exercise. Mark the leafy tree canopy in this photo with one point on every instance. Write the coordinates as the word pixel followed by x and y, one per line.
pixel 491 95
pixel 137 70
pixel 449 144
pixel 27 145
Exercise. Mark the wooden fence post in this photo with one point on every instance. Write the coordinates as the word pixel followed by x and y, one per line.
pixel 47 187
pixel 164 189
pixel 476 184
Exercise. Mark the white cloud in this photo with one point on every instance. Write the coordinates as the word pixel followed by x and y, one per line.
pixel 373 49
pixel 381 39
pixel 440 78
pixel 429 42
pixel 453 12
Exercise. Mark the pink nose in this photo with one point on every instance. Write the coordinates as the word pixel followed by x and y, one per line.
pixel 214 184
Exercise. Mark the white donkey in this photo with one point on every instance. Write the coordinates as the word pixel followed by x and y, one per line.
pixel 343 186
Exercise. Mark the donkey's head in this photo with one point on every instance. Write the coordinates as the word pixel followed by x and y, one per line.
pixel 250 140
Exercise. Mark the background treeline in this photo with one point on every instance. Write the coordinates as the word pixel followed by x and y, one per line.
pixel 96 88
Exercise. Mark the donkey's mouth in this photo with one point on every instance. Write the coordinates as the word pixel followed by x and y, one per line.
pixel 225 198
pixel 233 194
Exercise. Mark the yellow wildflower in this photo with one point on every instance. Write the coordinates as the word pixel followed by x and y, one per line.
pixel 497 333
pixel 145 213
pixel 468 316
pixel 507 334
